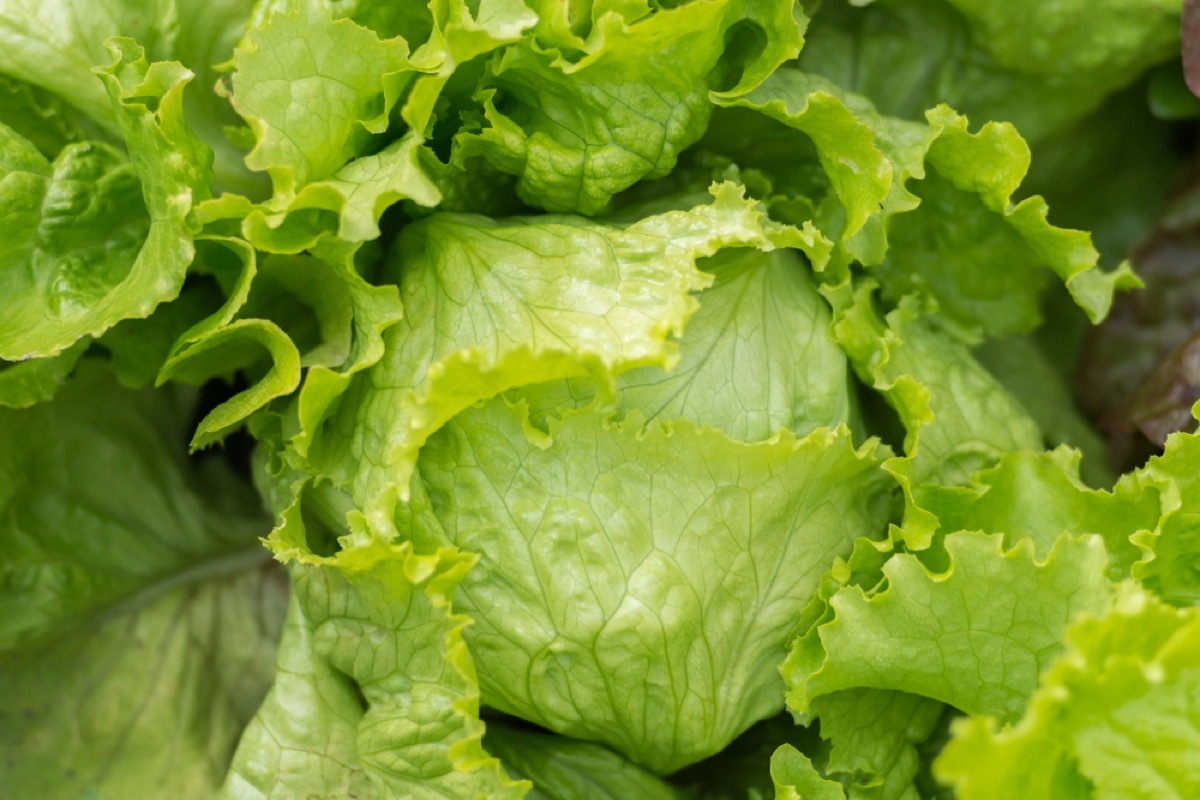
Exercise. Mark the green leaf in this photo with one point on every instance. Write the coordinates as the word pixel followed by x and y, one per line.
pixel 992 503
pixel 975 636
pixel 138 617
pixel 962 240
pixel 874 736
pixel 413 21
pixel 218 345
pixel 463 30
pixel 1167 94
pixel 1040 65
pixel 732 374
pixel 203 39
pixel 55 44
pixel 374 309
pixel 348 204
pixel 1026 371
pixel 332 217
pixel 858 173
pixel 238 342
pixel 45 120
pixel 958 419
pixel 375 693
pixel 638 587
pixel 578 127
pixel 742 769
pixel 139 347
pixel 333 179
pixel 56 264
pixel 1113 718
pixel 796 778
pixel 1111 42
pixel 445 34
pixel 294 310
pixel 967 251
pixel 568 769
pixel 29 382
pixel 494 304
pixel 331 313
pixel 312 109
pixel 1073 170
pixel 1171 548
pixel 103 239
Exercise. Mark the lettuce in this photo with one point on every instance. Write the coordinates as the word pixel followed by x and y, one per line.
pixel 603 398
pixel 1107 720
pixel 141 616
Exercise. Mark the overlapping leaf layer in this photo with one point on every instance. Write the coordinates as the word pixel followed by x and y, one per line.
pixel 646 399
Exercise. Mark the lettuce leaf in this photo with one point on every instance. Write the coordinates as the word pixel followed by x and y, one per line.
pixel 140 613
pixel 30 382
pixel 986 271
pixel 795 778
pixel 109 237
pixel 730 375
pixel 568 769
pixel 1112 717
pixel 495 304
pixel 991 503
pixel 1041 66
pixel 874 735
pixel 1169 549
pixel 640 551
pixel 975 636
pixel 374 692
pixel 580 124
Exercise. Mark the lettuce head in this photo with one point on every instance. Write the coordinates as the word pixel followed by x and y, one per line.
pixel 577 399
